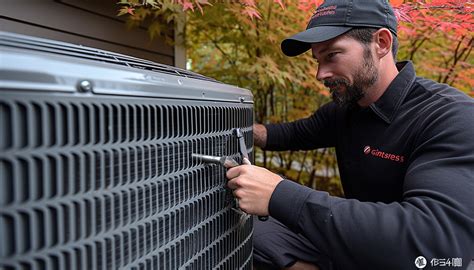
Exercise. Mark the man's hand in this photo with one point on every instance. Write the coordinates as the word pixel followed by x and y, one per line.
pixel 253 187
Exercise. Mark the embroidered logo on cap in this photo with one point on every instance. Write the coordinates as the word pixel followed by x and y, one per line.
pixel 329 10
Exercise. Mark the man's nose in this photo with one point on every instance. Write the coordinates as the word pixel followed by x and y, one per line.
pixel 323 73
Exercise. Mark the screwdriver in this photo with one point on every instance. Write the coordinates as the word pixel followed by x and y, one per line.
pixel 225 161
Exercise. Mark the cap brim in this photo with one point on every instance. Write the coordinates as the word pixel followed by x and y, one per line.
pixel 301 42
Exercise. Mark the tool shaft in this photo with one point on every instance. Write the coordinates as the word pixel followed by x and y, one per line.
pixel 224 161
pixel 207 158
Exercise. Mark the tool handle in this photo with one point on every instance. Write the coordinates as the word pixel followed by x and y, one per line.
pixel 245 156
pixel 229 163
pixel 247 162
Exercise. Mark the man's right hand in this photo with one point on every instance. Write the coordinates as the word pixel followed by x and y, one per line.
pixel 259 135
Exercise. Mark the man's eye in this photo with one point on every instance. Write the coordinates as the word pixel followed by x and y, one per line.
pixel 331 55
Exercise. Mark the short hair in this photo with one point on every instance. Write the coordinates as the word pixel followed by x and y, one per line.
pixel 364 35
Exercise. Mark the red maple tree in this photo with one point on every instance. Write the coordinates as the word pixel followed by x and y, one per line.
pixel 438 30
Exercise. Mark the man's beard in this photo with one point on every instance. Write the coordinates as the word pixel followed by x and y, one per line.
pixel 365 77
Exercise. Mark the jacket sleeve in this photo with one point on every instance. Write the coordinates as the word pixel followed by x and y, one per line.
pixel 434 219
pixel 316 131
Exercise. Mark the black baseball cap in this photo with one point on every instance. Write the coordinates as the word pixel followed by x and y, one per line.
pixel 335 17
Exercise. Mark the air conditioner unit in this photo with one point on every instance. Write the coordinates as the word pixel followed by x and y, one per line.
pixel 95 162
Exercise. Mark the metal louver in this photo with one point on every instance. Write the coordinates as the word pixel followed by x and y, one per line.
pixel 83 52
pixel 106 181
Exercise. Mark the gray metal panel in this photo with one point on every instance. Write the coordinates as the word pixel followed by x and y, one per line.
pixel 32 61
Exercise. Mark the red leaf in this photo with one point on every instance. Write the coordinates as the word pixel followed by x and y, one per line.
pixel 188 5
pixel 396 3
pixel 402 15
pixel 250 3
pixel 130 10
pixel 251 12
pixel 306 5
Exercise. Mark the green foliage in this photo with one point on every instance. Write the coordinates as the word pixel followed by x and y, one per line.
pixel 228 45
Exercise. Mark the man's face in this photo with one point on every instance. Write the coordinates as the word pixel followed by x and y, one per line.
pixel 346 67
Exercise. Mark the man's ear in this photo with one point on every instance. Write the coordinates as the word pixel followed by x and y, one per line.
pixel 383 42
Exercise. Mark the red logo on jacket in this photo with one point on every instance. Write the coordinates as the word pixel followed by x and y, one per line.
pixel 381 154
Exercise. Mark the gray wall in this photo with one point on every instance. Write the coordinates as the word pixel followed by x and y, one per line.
pixel 91 23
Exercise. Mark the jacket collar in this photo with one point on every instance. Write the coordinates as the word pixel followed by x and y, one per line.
pixel 387 105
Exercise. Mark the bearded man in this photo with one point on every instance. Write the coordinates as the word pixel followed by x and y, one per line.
pixel 405 150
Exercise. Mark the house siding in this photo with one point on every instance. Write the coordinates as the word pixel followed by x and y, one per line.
pixel 90 23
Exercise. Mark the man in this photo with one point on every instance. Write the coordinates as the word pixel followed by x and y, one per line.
pixel 405 149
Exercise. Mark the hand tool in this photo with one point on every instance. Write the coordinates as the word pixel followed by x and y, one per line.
pixel 227 162
pixel 245 156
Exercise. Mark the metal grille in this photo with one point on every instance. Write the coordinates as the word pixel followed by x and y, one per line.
pixel 90 182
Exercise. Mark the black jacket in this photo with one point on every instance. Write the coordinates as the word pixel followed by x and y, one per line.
pixel 407 168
